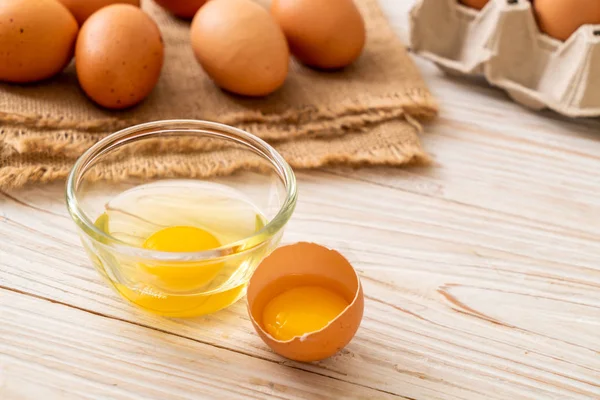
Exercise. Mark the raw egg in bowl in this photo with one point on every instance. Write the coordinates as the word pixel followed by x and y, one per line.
pixel 305 301
pixel 176 215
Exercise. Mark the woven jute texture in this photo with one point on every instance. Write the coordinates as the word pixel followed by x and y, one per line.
pixel 362 115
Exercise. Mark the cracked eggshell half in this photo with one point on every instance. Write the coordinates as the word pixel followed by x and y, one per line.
pixel 291 266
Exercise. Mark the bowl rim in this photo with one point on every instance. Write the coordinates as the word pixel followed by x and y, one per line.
pixel 128 135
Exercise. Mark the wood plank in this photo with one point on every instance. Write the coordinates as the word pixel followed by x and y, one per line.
pixel 494 154
pixel 429 294
pixel 48 349
pixel 397 13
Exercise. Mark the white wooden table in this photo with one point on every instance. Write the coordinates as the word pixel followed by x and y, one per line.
pixel 482 278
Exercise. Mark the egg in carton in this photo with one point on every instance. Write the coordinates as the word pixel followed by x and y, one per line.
pixel 503 43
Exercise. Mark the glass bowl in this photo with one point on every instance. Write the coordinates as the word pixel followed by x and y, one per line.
pixel 178 177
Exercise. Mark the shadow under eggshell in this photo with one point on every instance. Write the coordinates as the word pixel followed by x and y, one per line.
pixel 307 259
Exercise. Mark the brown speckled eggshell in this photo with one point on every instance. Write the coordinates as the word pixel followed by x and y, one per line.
pixel 36 39
pixel 182 8
pixel 82 9
pixel 119 56
pixel 311 259
pixel 240 46
pixel 322 34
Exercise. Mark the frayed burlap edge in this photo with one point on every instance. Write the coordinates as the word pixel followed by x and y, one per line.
pixel 72 143
pixel 418 103
pixel 394 143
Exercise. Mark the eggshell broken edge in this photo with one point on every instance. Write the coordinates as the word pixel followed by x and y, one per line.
pixel 307 259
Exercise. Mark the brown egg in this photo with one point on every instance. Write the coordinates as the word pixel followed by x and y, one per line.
pixel 82 9
pixel 477 4
pixel 296 266
pixel 119 56
pixel 182 8
pixel 323 34
pixel 240 46
pixel 36 39
pixel 561 18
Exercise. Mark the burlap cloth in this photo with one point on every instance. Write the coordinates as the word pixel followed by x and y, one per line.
pixel 364 114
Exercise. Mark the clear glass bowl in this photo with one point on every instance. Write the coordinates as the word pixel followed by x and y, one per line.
pixel 164 159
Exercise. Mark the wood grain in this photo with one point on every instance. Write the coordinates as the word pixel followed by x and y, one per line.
pixel 83 355
pixel 482 278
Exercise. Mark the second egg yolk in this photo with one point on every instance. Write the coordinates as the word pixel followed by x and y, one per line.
pixel 182 275
pixel 301 310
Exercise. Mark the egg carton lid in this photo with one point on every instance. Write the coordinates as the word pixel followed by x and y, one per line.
pixel 503 43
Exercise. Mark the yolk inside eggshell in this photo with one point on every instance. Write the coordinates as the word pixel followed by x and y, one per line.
pixel 302 310
pixel 286 280
pixel 300 304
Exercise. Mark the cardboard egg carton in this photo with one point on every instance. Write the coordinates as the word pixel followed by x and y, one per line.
pixel 503 43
